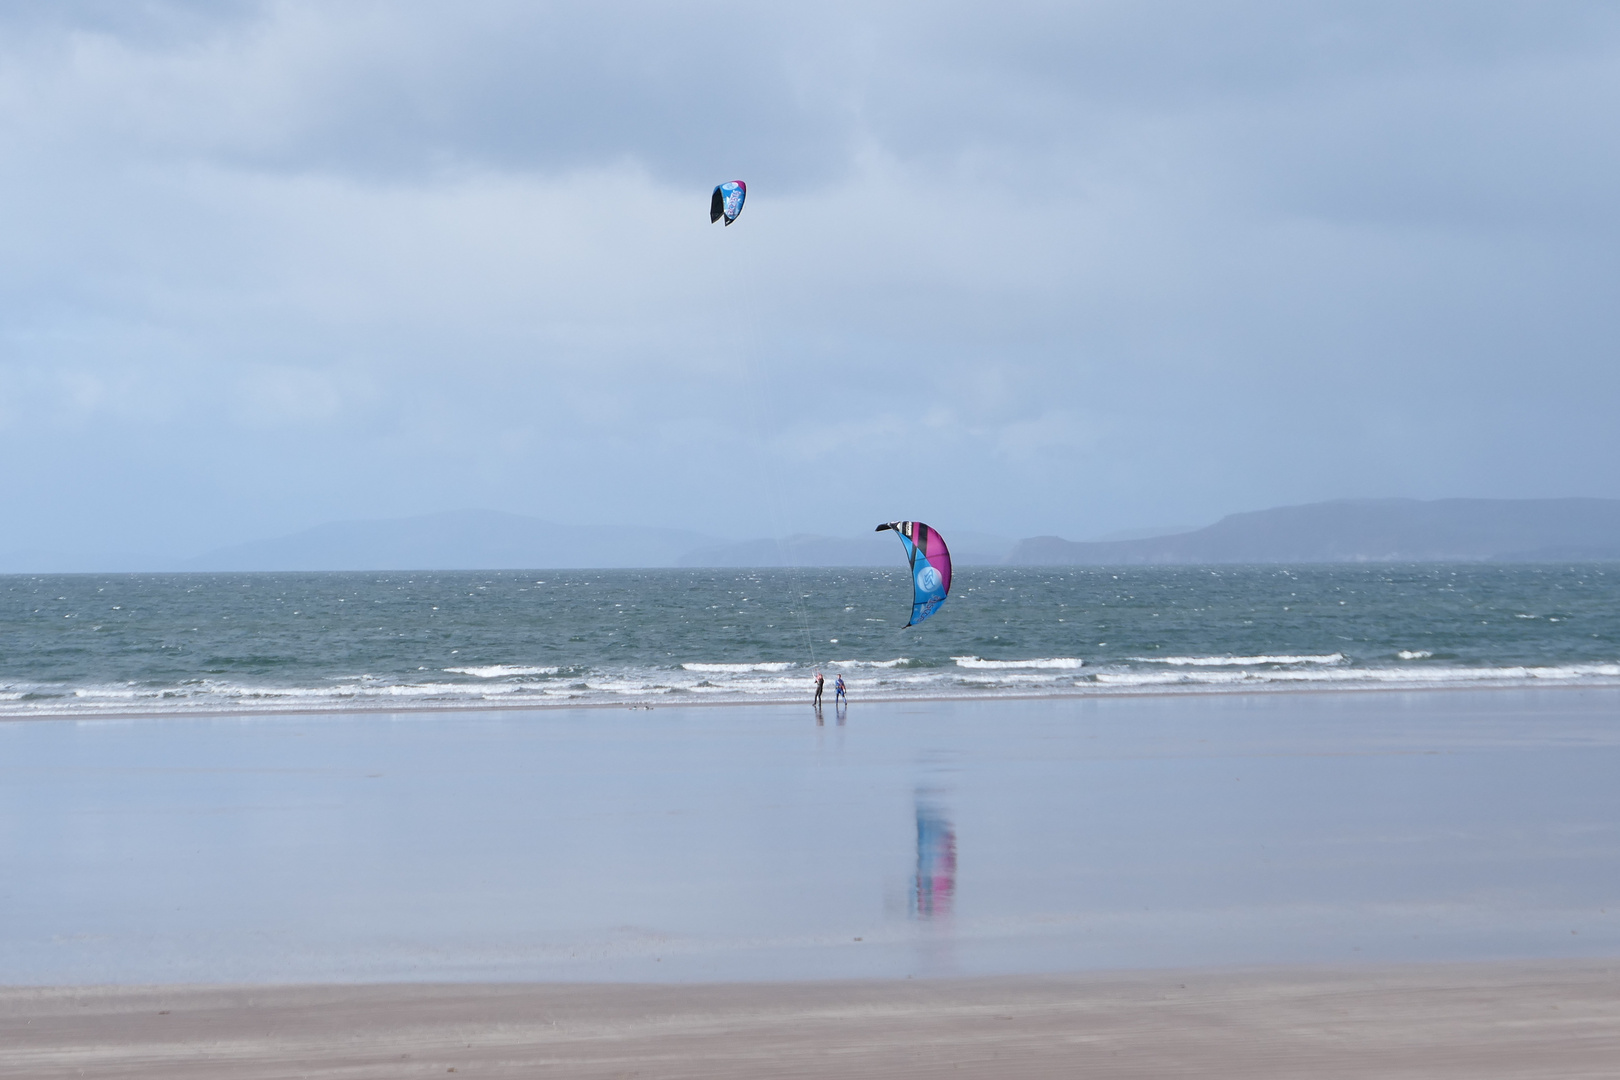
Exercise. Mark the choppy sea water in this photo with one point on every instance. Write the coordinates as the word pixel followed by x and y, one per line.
pixel 134 643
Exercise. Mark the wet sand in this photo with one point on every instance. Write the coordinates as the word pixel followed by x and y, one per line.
pixel 1467 1021
pixel 1230 886
pixel 940 840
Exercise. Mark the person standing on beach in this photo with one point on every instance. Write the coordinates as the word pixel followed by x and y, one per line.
pixel 838 692
pixel 820 679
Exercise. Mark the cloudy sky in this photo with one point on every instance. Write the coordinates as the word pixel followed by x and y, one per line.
pixel 1021 268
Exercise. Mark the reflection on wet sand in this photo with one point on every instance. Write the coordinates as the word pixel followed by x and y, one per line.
pixel 935 885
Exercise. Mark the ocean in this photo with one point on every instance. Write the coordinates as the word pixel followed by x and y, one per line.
pixel 120 644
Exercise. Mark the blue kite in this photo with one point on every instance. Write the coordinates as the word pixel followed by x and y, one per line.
pixel 727 201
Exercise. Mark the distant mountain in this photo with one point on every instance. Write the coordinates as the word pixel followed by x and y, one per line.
pixel 874 549
pixel 494 540
pixel 1145 534
pixel 458 540
pixel 1367 530
pixel 68 560
pixel 798 550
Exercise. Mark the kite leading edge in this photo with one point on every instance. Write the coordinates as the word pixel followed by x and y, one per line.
pixel 727 201
pixel 930 566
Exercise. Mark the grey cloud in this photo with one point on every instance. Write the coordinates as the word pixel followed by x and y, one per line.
pixel 380 87
pixel 1108 263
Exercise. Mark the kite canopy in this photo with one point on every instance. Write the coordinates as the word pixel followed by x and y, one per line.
pixel 727 201
pixel 930 566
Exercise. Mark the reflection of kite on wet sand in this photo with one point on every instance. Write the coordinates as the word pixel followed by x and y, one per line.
pixel 936 862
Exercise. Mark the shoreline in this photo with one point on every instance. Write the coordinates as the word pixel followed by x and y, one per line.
pixel 736 700
pixel 1475 1020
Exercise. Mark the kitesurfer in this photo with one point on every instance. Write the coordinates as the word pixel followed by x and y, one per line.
pixel 838 691
pixel 820 679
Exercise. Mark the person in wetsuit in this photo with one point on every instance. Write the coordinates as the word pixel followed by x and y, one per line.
pixel 820 679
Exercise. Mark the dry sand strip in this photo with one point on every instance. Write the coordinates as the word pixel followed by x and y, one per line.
pixel 1553 1019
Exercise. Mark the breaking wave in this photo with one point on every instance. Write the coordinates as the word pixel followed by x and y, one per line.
pixel 1603 674
pixel 1238 661
pixel 495 671
pixel 1058 663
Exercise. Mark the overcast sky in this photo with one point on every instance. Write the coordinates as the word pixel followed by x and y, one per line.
pixel 1025 269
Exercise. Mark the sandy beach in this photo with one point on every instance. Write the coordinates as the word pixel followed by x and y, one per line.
pixel 1465 1021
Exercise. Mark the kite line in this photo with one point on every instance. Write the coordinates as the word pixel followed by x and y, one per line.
pixel 727 202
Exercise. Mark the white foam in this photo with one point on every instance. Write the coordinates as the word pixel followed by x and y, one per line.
pixel 779 682
pixel 208 693
pixel 1237 661
pixel 1062 663
pixel 1425 676
pixel 627 686
pixel 495 671
pixel 1164 678
pixel 898 662
pixel 1414 654
pixel 118 693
